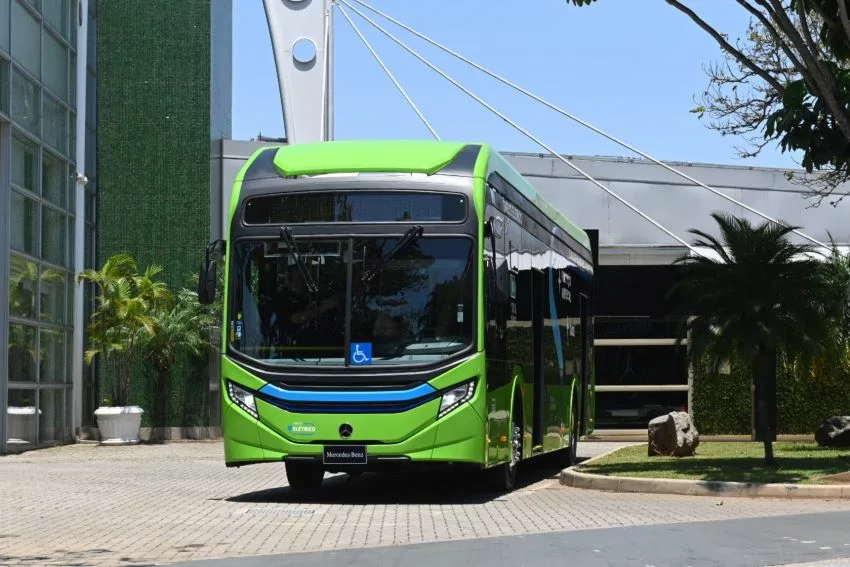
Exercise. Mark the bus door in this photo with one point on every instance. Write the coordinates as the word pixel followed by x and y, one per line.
pixel 538 314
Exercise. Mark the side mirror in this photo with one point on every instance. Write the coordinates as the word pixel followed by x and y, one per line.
pixel 207 273
pixel 206 282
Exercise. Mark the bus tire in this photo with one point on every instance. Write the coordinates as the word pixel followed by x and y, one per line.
pixel 504 475
pixel 304 477
pixel 568 456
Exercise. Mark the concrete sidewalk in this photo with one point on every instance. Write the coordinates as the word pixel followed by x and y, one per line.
pixel 98 506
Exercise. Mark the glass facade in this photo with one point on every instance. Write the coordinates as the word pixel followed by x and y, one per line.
pixel 38 135
pixel 641 371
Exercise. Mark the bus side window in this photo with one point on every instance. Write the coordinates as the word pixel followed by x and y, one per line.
pixel 490 336
pixel 496 308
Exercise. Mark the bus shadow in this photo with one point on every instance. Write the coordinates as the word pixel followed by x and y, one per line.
pixel 407 487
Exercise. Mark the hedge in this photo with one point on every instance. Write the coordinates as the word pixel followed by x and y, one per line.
pixel 722 404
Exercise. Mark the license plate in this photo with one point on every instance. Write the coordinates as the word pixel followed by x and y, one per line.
pixel 344 455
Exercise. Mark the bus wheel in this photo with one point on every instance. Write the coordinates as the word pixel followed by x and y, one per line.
pixel 568 456
pixel 504 475
pixel 304 477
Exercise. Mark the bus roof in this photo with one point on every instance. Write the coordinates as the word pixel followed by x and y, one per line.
pixel 408 156
pixel 397 156
pixel 501 166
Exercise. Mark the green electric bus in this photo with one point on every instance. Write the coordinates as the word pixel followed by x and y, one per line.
pixel 399 303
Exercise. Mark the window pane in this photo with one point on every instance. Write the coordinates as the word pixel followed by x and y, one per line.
pixel 90 206
pixel 53 296
pixel 23 164
pixel 634 410
pixel 53 236
pixel 91 48
pixel 55 66
pixel 52 349
pixel 34 3
pixel 89 259
pixel 24 224
pixel 55 13
pixel 72 77
pixel 26 39
pixel 4 85
pixel 71 184
pixel 22 287
pixel 21 419
pixel 91 100
pixel 55 126
pixel 51 421
pixel 21 353
pixel 91 152
pixel 69 312
pixel 5 8
pixel 25 102
pixel 72 136
pixel 73 23
pixel 641 365
pixel 53 180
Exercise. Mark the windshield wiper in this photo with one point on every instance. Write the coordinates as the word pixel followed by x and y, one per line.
pixel 409 238
pixel 286 236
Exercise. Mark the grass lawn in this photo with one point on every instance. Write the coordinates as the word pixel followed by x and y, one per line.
pixel 805 463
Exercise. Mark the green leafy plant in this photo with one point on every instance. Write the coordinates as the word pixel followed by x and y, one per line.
pixel 181 327
pixel 126 301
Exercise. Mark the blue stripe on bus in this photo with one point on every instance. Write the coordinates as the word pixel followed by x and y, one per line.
pixel 556 325
pixel 341 396
pixel 349 408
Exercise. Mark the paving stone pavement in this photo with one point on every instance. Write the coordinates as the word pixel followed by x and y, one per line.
pixel 154 504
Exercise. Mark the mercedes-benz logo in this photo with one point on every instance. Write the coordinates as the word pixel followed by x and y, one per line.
pixel 345 430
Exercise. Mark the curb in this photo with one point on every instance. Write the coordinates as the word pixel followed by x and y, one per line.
pixel 684 487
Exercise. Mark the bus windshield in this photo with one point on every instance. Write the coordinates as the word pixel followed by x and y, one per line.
pixel 411 300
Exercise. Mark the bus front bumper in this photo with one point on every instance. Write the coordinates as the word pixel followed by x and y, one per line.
pixel 415 436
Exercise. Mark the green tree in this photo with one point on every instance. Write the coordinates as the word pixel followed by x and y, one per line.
pixel 181 327
pixel 126 300
pixel 761 294
pixel 793 71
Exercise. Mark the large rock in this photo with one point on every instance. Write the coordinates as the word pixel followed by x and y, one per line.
pixel 673 435
pixel 834 432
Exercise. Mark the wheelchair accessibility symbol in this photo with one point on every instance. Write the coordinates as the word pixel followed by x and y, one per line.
pixel 361 353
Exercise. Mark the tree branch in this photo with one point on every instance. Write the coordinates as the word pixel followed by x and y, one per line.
pixel 824 81
pixel 842 14
pixel 807 32
pixel 816 6
pixel 726 46
pixel 772 31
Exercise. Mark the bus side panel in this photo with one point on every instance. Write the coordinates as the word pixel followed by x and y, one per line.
pixel 570 300
pixel 242 442
pixel 555 393
pixel 498 409
pixel 555 361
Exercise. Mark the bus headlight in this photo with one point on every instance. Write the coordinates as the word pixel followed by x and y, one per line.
pixel 456 396
pixel 242 398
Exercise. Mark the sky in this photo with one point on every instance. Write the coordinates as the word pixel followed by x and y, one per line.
pixel 630 67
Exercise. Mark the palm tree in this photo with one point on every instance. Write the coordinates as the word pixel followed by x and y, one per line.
pixel 836 271
pixel 762 294
pixel 182 327
pixel 125 300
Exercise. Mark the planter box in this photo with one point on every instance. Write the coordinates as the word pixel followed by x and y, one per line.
pixel 21 425
pixel 119 425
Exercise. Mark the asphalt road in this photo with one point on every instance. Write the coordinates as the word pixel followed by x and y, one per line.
pixel 787 540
